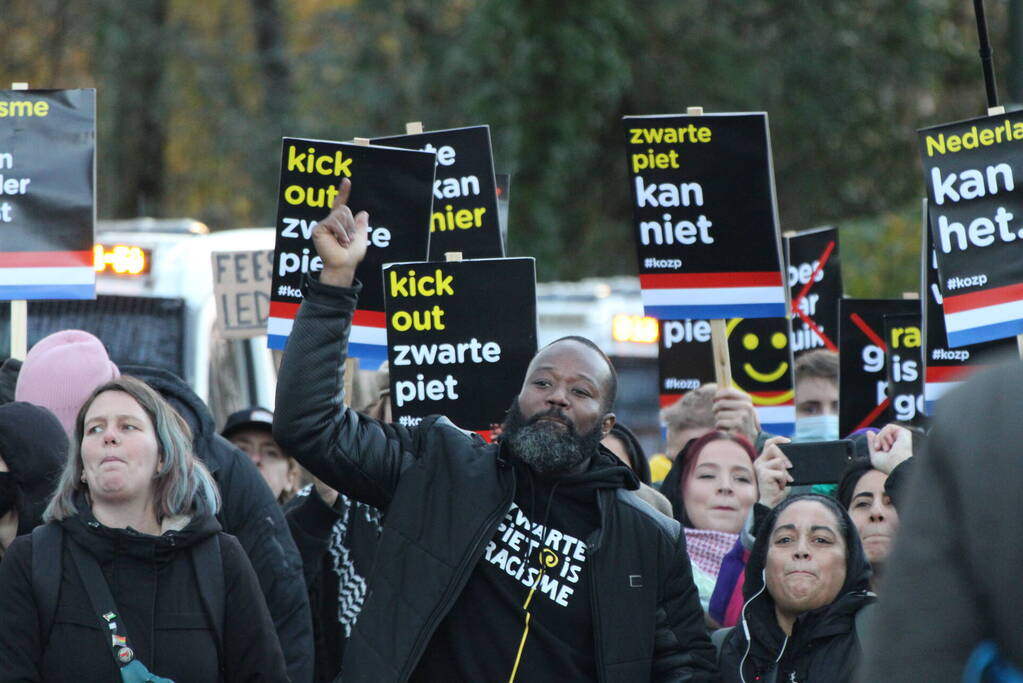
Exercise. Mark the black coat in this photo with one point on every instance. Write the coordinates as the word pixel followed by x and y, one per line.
pixel 823 647
pixel 443 493
pixel 153 582
pixel 337 544
pixel 249 512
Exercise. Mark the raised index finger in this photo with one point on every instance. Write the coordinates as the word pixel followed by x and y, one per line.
pixel 343 190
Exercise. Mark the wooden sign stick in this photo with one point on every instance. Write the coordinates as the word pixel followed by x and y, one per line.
pixel 414 128
pixel 19 308
pixel 996 111
pixel 718 329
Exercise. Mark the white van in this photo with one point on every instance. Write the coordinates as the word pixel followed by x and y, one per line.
pixel 155 307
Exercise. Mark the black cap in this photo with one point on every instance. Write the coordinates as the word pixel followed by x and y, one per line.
pixel 249 418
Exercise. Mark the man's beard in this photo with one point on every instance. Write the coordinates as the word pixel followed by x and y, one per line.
pixel 545 446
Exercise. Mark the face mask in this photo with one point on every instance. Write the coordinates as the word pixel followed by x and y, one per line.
pixel 8 492
pixel 816 428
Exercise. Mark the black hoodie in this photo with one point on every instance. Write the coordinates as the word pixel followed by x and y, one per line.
pixel 484 637
pixel 823 647
pixel 35 447
pixel 248 511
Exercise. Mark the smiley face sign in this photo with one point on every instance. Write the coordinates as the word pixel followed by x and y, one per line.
pixel 761 360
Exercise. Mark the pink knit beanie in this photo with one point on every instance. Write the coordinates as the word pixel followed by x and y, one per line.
pixel 61 371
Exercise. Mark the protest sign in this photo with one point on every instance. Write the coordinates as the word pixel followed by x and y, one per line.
pixel 460 337
pixel 946 367
pixel 815 286
pixel 761 362
pixel 503 201
pixel 705 216
pixel 971 168
pixel 904 338
pixel 47 181
pixel 685 359
pixel 465 216
pixel 862 374
pixel 241 288
pixel 392 185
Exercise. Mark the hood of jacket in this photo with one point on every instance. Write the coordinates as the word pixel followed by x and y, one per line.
pixel 637 456
pixel 35 448
pixel 185 401
pixel 106 543
pixel 832 619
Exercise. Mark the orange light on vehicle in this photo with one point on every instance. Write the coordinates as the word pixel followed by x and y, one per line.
pixel 120 259
pixel 635 328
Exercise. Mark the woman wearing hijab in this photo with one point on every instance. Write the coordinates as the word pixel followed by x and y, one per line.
pixel 806 580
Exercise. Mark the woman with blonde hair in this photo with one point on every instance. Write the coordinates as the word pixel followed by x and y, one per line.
pixel 147 580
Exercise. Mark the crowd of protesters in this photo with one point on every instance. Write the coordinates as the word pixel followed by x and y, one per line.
pixel 140 541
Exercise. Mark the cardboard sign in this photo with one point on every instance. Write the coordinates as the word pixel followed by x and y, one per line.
pixel 241 288
pixel 761 361
pixel 393 185
pixel 946 367
pixel 460 337
pixel 904 338
pixel 862 371
pixel 705 217
pixel 465 216
pixel 971 169
pixel 47 181
pixel 685 358
pixel 815 286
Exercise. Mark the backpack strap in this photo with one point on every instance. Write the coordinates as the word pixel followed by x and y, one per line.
pixel 103 605
pixel 47 567
pixel 209 573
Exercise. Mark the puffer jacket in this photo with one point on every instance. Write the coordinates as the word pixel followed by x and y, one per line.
pixel 823 646
pixel 153 582
pixel 443 493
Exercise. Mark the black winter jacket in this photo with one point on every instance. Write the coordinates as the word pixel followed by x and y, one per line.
pixel 153 582
pixel 823 647
pixel 443 493
pixel 337 544
pixel 249 512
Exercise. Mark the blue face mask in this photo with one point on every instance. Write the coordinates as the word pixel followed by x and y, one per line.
pixel 816 428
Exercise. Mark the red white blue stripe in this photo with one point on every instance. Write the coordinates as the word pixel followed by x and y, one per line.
pixel 367 340
pixel 941 379
pixel 983 316
pixel 779 420
pixel 676 296
pixel 35 275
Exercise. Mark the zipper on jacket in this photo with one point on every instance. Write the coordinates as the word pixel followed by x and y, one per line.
pixel 461 577
pixel 592 546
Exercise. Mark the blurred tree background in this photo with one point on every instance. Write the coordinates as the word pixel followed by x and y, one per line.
pixel 195 96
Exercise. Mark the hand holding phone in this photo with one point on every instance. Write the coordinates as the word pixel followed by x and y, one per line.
pixel 818 462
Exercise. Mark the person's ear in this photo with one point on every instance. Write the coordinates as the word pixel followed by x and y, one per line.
pixel 606 424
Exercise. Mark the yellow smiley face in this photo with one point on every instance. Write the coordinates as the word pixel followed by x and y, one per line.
pixel 760 348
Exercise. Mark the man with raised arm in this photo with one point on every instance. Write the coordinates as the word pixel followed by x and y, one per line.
pixel 530 559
